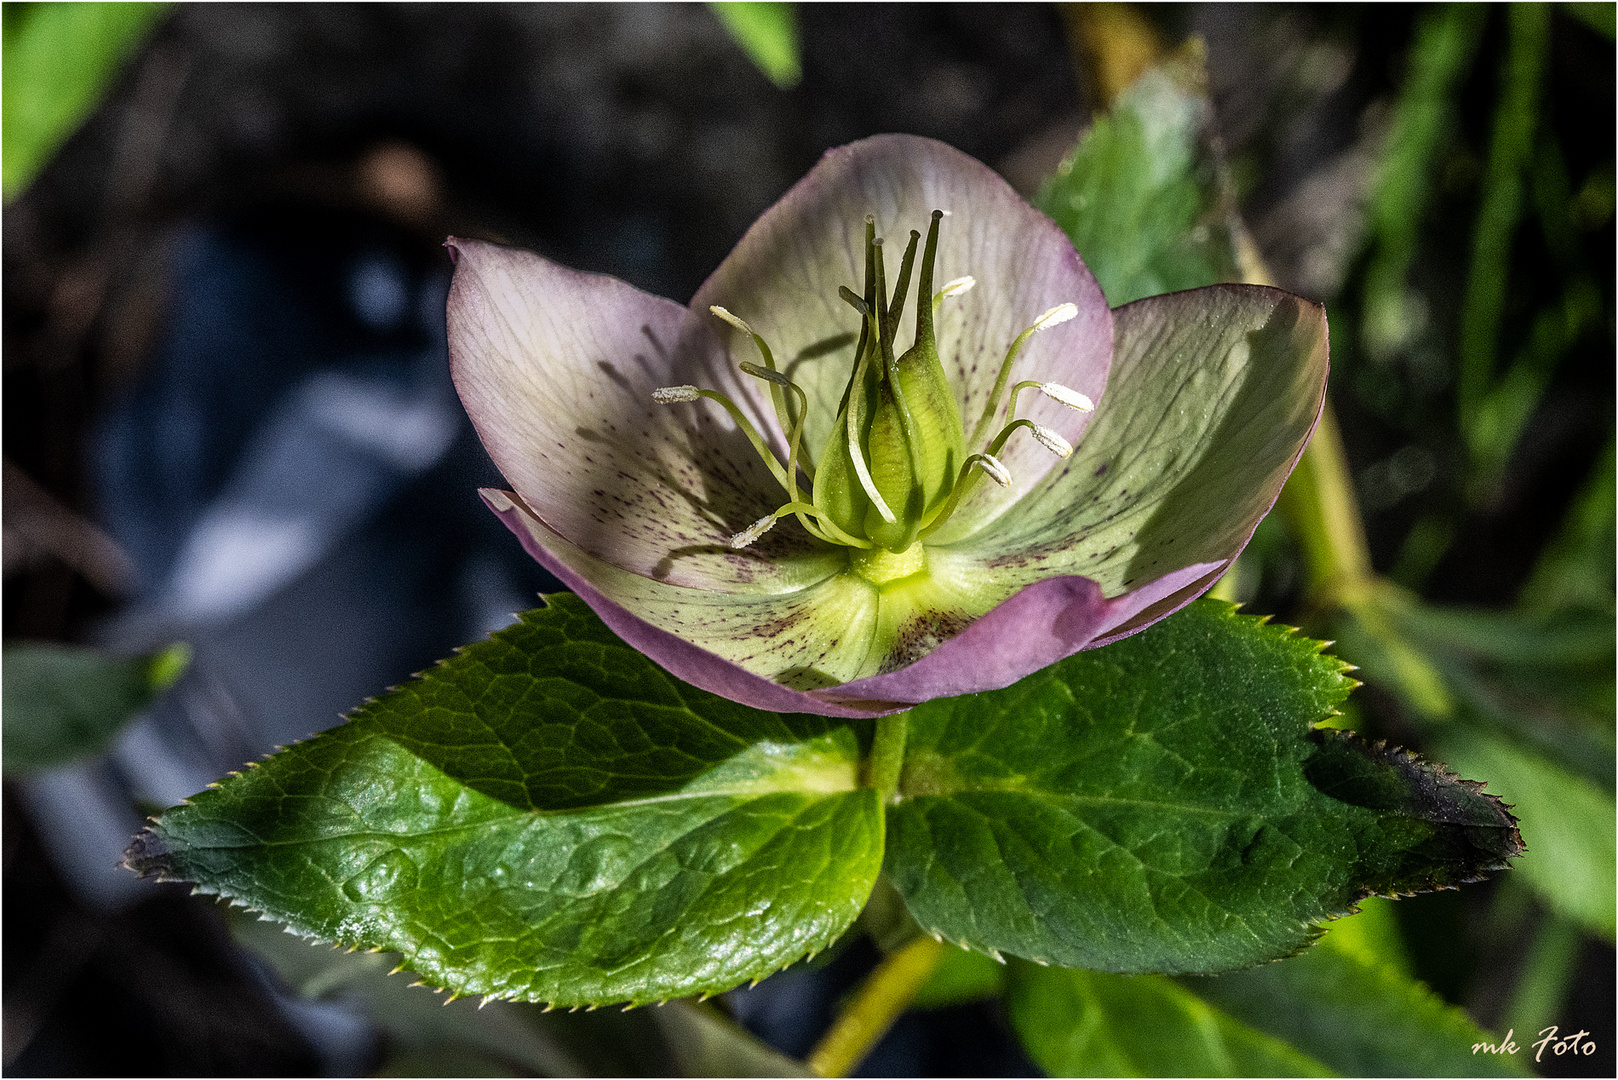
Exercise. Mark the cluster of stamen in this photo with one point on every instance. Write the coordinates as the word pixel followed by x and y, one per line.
pixel 876 366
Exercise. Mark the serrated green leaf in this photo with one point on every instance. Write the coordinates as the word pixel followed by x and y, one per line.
pixel 1163 805
pixel 1572 859
pixel 1085 1023
pixel 504 1038
pixel 59 60
pixel 1143 196
pixel 548 816
pixel 1357 1012
pixel 63 703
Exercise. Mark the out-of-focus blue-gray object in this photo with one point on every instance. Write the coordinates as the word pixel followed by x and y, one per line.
pixel 295 483
pixel 261 441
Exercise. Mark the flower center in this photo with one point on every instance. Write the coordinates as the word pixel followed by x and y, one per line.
pixel 895 466
pixel 880 566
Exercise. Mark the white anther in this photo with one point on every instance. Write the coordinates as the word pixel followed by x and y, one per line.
pixel 753 532
pixel 997 472
pixel 1051 441
pixel 1056 316
pixel 957 286
pixel 749 368
pixel 1063 395
pixel 731 319
pixel 668 395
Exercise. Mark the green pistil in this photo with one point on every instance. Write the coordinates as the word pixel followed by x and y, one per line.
pixel 870 342
pixel 880 566
pixel 887 326
pixel 925 300
pixel 900 291
pixel 888 476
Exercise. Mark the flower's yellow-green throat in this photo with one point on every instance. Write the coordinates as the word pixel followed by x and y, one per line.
pixel 895 466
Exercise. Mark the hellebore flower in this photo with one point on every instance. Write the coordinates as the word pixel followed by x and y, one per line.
pixel 857 475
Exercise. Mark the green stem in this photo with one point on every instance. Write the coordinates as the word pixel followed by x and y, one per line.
pixel 1318 500
pixel 884 995
pixel 887 754
pixel 1319 503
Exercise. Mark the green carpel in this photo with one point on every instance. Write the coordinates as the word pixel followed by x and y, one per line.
pixel 881 567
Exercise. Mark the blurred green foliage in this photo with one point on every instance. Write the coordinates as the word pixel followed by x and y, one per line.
pixel 1458 357
pixel 1445 42
pixel 1088 1023
pixel 1498 345
pixel 59 59
pixel 768 34
pixel 64 703
pixel 1524 697
pixel 1143 196
pixel 961 976
pixel 1504 180
pixel 1575 573
pixel 1520 698
pixel 1597 16
pixel 1350 1000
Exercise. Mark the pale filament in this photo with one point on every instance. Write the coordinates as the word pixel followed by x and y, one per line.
pixel 1058 393
pixel 1056 316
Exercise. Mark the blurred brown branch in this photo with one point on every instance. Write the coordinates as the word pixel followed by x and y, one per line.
pixel 38 527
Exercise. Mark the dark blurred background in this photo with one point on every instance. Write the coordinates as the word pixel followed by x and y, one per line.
pixel 228 419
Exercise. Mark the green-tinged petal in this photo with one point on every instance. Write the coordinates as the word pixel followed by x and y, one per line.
pixel 1213 394
pixel 837 630
pixel 784 275
pixel 556 368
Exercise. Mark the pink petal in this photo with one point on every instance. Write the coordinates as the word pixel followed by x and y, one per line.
pixel 1046 622
pixel 556 369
